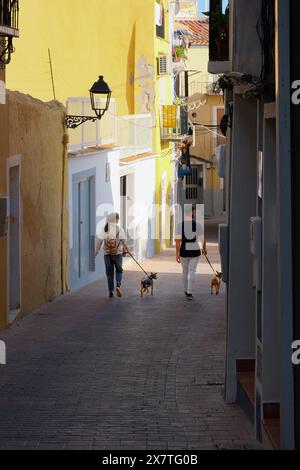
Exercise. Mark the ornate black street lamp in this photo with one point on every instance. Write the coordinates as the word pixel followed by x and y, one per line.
pixel 100 88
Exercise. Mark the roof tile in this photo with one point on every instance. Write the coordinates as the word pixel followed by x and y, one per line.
pixel 197 30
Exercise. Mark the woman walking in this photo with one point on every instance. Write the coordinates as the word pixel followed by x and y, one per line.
pixel 188 250
pixel 113 240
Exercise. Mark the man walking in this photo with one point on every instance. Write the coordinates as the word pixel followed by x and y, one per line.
pixel 188 249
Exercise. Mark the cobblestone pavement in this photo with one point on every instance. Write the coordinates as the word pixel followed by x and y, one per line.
pixel 84 372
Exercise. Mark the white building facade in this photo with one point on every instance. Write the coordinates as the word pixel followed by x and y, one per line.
pixel 111 169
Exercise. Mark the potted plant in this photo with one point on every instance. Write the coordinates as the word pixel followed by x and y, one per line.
pixel 179 53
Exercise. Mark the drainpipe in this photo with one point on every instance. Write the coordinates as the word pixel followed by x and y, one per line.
pixel 186 84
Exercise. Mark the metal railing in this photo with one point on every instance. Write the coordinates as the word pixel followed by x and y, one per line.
pixel 204 88
pixel 174 122
pixel 9 15
pixel 133 133
pixel 91 134
pixel 219 31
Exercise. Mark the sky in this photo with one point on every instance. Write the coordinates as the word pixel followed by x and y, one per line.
pixel 203 5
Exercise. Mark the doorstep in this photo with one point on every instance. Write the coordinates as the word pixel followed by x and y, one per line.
pixel 245 374
pixel 271 424
pixel 13 315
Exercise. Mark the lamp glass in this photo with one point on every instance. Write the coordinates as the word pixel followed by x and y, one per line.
pixel 100 89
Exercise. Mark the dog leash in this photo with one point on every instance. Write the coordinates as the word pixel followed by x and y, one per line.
pixel 210 265
pixel 213 270
pixel 137 263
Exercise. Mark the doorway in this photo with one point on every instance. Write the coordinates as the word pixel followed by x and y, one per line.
pixel 14 251
pixel 83 229
pixel 126 209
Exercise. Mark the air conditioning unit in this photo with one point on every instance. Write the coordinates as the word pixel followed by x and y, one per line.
pixel 164 65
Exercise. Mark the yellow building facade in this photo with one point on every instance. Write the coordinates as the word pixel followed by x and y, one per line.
pixel 206 107
pixel 66 45
pixel 209 113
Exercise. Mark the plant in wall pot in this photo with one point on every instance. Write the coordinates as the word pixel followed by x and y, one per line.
pixel 179 53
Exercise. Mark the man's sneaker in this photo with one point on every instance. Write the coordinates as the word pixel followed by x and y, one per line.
pixel 118 291
pixel 111 295
pixel 189 296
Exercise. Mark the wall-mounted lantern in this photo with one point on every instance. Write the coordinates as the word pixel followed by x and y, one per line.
pixel 99 89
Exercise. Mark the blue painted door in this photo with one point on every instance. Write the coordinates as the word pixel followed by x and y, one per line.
pixel 83 228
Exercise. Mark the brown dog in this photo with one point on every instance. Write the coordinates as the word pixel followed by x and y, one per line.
pixel 147 283
pixel 216 283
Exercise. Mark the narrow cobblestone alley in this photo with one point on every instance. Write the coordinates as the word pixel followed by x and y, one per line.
pixel 87 373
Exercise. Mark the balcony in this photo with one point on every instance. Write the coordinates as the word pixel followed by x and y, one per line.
pixel 9 18
pixel 134 134
pixel 131 134
pixel 174 123
pixel 219 61
pixel 204 88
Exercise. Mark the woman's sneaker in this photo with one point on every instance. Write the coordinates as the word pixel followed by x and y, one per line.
pixel 111 295
pixel 189 296
pixel 118 291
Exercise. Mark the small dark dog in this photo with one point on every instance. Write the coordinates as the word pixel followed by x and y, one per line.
pixel 147 283
pixel 216 283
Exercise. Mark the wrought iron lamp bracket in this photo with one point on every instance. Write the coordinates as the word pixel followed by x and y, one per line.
pixel 75 121
pixel 72 121
pixel 6 50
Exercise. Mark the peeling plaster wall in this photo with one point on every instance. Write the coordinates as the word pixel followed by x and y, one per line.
pixel 36 133
pixel 144 66
pixel 145 96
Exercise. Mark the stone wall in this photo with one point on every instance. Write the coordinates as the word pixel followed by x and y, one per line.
pixel 37 137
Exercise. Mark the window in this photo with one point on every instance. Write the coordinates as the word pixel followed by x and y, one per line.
pixel 160 19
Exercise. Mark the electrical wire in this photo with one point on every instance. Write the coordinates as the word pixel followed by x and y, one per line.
pixel 213 132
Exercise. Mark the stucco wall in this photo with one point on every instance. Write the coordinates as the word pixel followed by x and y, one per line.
pixel 205 140
pixel 198 57
pixel 141 216
pixel 247 53
pixel 36 133
pixel 143 223
pixel 205 144
pixel 86 39
pixel 106 193
pixel 115 38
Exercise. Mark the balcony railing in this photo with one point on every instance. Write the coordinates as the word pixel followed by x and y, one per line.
pixel 132 134
pixel 204 88
pixel 174 123
pixel 91 134
pixel 219 31
pixel 9 18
